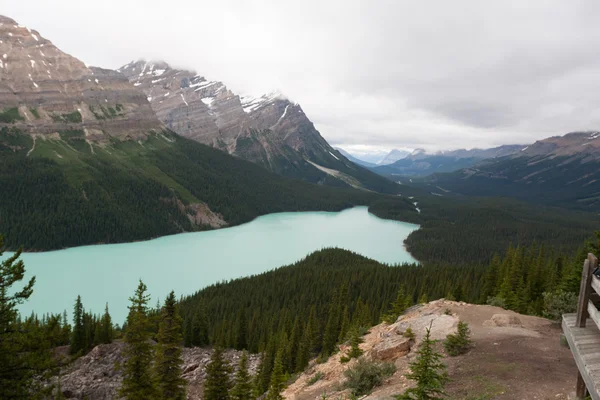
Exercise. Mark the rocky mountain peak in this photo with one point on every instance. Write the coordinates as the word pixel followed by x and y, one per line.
pixel 46 91
pixel 581 144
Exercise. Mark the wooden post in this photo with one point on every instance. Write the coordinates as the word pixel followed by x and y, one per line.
pixel 581 390
pixel 584 293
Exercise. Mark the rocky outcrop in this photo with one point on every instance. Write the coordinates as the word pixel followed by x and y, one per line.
pixel 96 376
pixel 396 346
pixel 44 91
pixel 506 361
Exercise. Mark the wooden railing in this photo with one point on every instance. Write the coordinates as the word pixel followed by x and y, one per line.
pixel 589 296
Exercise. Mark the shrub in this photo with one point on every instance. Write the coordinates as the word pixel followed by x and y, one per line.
pixel 344 359
pixel 459 343
pixel 35 113
pixel 496 301
pixel 10 115
pixel 365 375
pixel 314 379
pixel 558 303
pixel 408 333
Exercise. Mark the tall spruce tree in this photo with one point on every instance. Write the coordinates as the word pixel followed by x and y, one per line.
pixel 331 333
pixel 402 302
pixel 276 385
pixel 78 333
pixel 171 386
pixel 17 366
pixel 216 385
pixel 138 379
pixel 242 382
pixel 241 341
pixel 106 327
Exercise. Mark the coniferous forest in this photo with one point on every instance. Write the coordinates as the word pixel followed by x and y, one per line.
pixel 289 315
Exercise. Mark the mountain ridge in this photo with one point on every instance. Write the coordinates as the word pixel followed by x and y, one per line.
pixel 85 160
pixel 269 130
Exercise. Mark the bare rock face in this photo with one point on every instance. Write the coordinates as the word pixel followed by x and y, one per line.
pixel 44 91
pixel 269 130
pixel 441 325
pixel 394 347
pixel 96 376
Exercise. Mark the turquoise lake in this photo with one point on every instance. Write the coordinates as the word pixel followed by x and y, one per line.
pixel 188 262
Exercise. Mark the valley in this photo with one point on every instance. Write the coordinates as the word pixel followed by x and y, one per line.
pixel 164 235
pixel 204 258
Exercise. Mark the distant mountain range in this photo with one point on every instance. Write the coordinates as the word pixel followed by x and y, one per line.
pixel 421 163
pixel 269 130
pixel 354 159
pixel 561 170
pixel 394 156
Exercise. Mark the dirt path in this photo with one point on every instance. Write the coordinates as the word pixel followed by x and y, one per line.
pixel 514 357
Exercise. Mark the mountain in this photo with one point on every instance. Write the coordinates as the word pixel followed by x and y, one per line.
pixel 394 156
pixel 269 130
pixel 421 163
pixel 84 159
pixel 354 159
pixel 561 170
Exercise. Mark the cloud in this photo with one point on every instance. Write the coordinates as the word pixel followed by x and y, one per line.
pixel 379 74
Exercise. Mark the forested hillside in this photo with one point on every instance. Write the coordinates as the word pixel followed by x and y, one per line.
pixel 307 307
pixel 464 231
pixel 68 192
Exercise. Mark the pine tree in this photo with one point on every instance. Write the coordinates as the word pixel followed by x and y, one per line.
pixel 171 385
pixel 332 328
pixel 400 305
pixel 106 327
pixel 428 372
pixel 258 388
pixel 78 335
pixel 344 326
pixel 199 328
pixel 138 380
pixel 241 341
pixel 216 385
pixel 355 341
pixel 294 344
pixel 459 343
pixel 16 369
pixel 242 388
pixel 277 379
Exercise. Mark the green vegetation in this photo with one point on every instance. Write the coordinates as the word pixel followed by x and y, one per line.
pixel 242 382
pixel 10 115
pixel 35 113
pixel 539 180
pixel 168 360
pixel 428 372
pixel 408 333
pixel 138 379
pixel 216 385
pixel 314 298
pixel 467 231
pixel 74 117
pixel 25 346
pixel 315 378
pixel 402 302
pixel 126 191
pixel 460 342
pixel 365 375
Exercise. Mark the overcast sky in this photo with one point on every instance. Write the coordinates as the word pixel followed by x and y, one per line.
pixel 372 75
